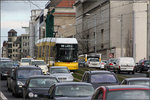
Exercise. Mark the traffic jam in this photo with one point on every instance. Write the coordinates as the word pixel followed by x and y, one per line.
pixel 34 79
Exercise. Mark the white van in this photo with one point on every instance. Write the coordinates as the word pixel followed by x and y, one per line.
pixel 124 64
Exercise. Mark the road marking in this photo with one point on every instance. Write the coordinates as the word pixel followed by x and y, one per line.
pixel 2 96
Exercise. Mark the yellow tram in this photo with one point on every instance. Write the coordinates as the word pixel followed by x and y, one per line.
pixel 58 52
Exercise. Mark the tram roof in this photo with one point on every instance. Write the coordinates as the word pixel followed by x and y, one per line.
pixel 59 40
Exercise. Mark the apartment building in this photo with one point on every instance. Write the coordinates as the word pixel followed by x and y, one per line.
pixel 117 27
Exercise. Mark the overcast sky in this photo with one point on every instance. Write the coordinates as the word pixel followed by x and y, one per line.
pixel 16 14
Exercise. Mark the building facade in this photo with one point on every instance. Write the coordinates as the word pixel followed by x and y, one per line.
pixel 64 17
pixel 16 49
pixel 24 45
pixel 112 27
pixel 33 27
pixel 12 36
pixel 148 27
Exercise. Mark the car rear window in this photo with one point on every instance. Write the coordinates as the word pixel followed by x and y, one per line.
pixel 103 78
pixel 42 82
pixel 140 82
pixel 94 59
pixel 128 95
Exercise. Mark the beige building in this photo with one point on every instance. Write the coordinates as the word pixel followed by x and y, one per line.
pixel 24 45
pixel 117 27
pixel 148 27
pixel 16 49
pixel 12 36
pixel 64 17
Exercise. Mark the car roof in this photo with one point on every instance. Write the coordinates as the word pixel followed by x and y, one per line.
pixel 126 87
pixel 137 78
pixel 98 71
pixel 72 83
pixel 58 67
pixel 28 67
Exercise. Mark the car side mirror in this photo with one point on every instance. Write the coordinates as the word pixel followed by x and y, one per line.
pixel 114 62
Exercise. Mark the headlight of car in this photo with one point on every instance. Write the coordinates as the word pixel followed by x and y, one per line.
pixel 20 83
pixel 31 95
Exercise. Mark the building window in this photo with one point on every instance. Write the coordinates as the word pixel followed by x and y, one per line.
pixel 9 45
pixel 9 40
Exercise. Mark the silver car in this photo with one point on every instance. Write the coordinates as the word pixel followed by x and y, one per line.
pixel 62 73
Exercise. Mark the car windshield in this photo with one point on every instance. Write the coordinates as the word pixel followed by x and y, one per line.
pixel 38 63
pixel 6 64
pixel 140 82
pixel 26 73
pixel 129 95
pixel 94 59
pixel 42 82
pixel 26 60
pixel 74 90
pixel 103 78
pixel 127 61
pixel 59 70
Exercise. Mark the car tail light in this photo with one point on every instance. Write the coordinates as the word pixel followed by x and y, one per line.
pixel 102 63
pixel 119 67
pixel 143 63
pixel 110 64
pixel 88 62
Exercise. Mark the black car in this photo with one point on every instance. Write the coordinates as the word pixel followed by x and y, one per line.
pixel 38 86
pixel 71 91
pixel 136 81
pixel 99 78
pixel 5 67
pixel 21 74
pixel 143 65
